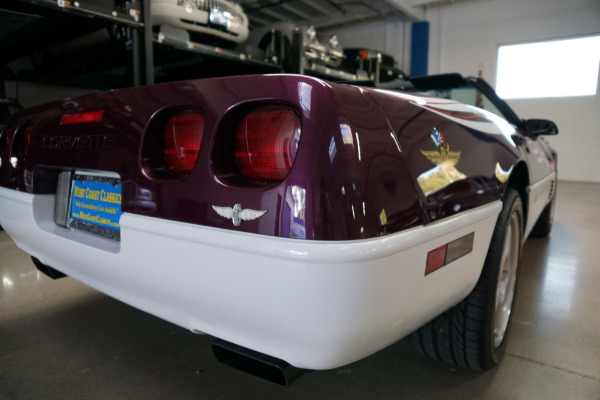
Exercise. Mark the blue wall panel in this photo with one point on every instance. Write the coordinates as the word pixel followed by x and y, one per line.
pixel 419 48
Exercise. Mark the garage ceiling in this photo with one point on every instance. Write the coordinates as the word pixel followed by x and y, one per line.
pixel 328 14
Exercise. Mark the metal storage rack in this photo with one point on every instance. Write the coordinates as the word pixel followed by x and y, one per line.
pixel 149 49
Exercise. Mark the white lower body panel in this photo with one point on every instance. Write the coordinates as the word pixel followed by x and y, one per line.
pixel 314 304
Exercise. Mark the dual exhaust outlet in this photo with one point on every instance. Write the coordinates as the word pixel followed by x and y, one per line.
pixel 255 363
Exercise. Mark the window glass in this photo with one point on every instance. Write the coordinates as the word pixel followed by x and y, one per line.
pixel 468 95
pixel 559 68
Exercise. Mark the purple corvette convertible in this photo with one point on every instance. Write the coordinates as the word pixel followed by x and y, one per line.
pixel 303 224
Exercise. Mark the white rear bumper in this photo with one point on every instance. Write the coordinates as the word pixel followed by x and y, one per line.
pixel 316 305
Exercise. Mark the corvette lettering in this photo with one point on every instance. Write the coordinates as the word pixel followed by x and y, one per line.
pixel 78 143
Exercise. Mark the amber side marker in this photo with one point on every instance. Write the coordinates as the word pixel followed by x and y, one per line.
pixel 444 255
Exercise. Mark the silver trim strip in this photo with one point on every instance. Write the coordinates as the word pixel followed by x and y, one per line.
pixel 336 252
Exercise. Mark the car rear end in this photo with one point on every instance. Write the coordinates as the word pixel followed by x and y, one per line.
pixel 273 212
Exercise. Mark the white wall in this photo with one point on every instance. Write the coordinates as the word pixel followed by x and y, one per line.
pixel 465 33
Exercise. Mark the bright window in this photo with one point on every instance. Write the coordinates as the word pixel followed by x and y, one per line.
pixel 560 68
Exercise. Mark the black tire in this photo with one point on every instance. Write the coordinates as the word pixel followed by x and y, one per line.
pixel 543 226
pixel 474 333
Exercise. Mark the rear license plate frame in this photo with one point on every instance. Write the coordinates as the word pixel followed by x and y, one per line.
pixel 93 204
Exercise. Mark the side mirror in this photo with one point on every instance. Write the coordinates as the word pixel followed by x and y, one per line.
pixel 537 127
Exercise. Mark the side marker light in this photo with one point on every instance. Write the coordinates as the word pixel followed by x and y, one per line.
pixel 445 254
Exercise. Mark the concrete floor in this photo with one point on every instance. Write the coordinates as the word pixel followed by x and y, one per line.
pixel 63 340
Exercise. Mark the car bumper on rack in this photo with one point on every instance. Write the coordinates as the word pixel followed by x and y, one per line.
pixel 170 13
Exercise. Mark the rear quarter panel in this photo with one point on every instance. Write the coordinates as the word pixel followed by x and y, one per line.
pixel 481 145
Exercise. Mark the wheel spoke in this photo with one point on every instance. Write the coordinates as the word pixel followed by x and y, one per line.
pixel 507 277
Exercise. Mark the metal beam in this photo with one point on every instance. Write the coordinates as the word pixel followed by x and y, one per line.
pixel 148 43
pixel 296 11
pixel 136 55
pixel 257 19
pixel 407 7
pixel 320 7
pixel 83 10
pixel 274 14
pixel 323 23
pixel 423 3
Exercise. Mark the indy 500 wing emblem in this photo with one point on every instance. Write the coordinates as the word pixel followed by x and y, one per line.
pixel 237 214
pixel 445 160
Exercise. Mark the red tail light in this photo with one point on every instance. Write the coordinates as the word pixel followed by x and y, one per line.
pixel 183 136
pixel 6 143
pixel 3 148
pixel 8 136
pixel 266 143
pixel 82 117
pixel 27 138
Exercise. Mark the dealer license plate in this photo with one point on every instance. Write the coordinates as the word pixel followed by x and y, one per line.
pixel 95 205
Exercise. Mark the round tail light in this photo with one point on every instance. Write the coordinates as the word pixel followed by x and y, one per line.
pixel 266 142
pixel 183 136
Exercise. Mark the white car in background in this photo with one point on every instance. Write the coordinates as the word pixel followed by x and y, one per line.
pixel 206 20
